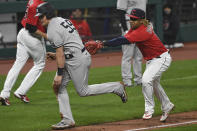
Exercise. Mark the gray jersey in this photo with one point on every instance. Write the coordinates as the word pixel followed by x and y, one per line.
pixel 61 32
pixel 128 5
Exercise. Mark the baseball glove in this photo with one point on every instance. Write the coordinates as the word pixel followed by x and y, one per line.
pixel 93 46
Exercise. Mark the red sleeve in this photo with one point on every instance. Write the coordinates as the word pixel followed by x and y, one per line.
pixel 31 18
pixel 140 34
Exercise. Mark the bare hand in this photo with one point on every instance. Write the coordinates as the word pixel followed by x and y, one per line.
pixel 51 56
pixel 56 83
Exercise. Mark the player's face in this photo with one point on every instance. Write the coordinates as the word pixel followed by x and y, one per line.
pixel 77 13
pixel 134 23
pixel 44 21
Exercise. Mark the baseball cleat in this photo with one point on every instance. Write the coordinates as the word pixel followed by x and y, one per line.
pixel 4 101
pixel 63 124
pixel 23 98
pixel 127 83
pixel 166 113
pixel 147 115
pixel 123 95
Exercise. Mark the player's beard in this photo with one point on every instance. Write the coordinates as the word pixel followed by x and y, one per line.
pixel 135 25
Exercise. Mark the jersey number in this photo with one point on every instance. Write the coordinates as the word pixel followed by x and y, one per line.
pixel 68 25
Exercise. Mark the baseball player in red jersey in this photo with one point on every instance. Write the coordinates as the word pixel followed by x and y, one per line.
pixel 29 44
pixel 81 25
pixel 157 57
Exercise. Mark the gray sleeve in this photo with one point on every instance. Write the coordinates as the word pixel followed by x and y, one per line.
pixel 55 36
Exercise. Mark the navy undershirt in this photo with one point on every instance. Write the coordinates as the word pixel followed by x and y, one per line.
pixel 117 42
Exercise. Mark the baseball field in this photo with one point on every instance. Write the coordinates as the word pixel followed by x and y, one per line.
pixel 179 82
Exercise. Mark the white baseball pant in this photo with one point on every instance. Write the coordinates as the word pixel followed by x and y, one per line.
pixel 131 51
pixel 151 82
pixel 27 46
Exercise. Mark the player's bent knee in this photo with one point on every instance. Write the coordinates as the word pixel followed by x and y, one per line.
pixel 82 94
pixel 146 82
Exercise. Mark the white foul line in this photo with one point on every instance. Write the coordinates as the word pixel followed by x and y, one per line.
pixel 181 78
pixel 160 126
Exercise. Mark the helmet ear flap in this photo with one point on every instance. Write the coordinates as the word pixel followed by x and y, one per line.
pixel 50 14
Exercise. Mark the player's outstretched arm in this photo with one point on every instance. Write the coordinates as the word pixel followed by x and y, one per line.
pixel 116 42
pixel 93 46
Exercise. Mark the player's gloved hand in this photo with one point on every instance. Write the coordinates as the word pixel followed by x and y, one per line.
pixel 51 56
pixel 93 46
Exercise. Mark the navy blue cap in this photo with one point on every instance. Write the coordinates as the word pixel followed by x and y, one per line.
pixel 137 13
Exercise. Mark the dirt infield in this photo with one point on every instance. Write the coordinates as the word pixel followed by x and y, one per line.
pixel 141 125
pixel 189 52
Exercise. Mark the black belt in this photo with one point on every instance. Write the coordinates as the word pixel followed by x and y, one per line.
pixel 83 49
pixel 69 56
pixel 155 57
pixel 159 56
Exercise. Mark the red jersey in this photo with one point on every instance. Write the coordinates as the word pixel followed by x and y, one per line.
pixel 30 13
pixel 147 41
pixel 83 29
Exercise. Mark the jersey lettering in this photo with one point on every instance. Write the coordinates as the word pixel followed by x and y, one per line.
pixel 68 25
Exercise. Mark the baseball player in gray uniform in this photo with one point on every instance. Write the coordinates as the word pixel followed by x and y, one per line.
pixel 131 50
pixel 73 62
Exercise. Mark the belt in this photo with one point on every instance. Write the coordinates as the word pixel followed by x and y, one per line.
pixel 69 56
pixel 159 56
pixel 82 50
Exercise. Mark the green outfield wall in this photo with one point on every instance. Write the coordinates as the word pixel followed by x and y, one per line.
pixel 187 32
pixel 19 6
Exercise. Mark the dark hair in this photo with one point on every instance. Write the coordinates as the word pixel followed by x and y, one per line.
pixel 168 6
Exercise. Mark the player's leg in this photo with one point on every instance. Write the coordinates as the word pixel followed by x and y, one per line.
pixel 21 58
pixel 64 105
pixel 154 69
pixel 79 74
pixel 137 66
pixel 127 55
pixel 166 104
pixel 161 95
pixel 37 51
pixel 147 90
